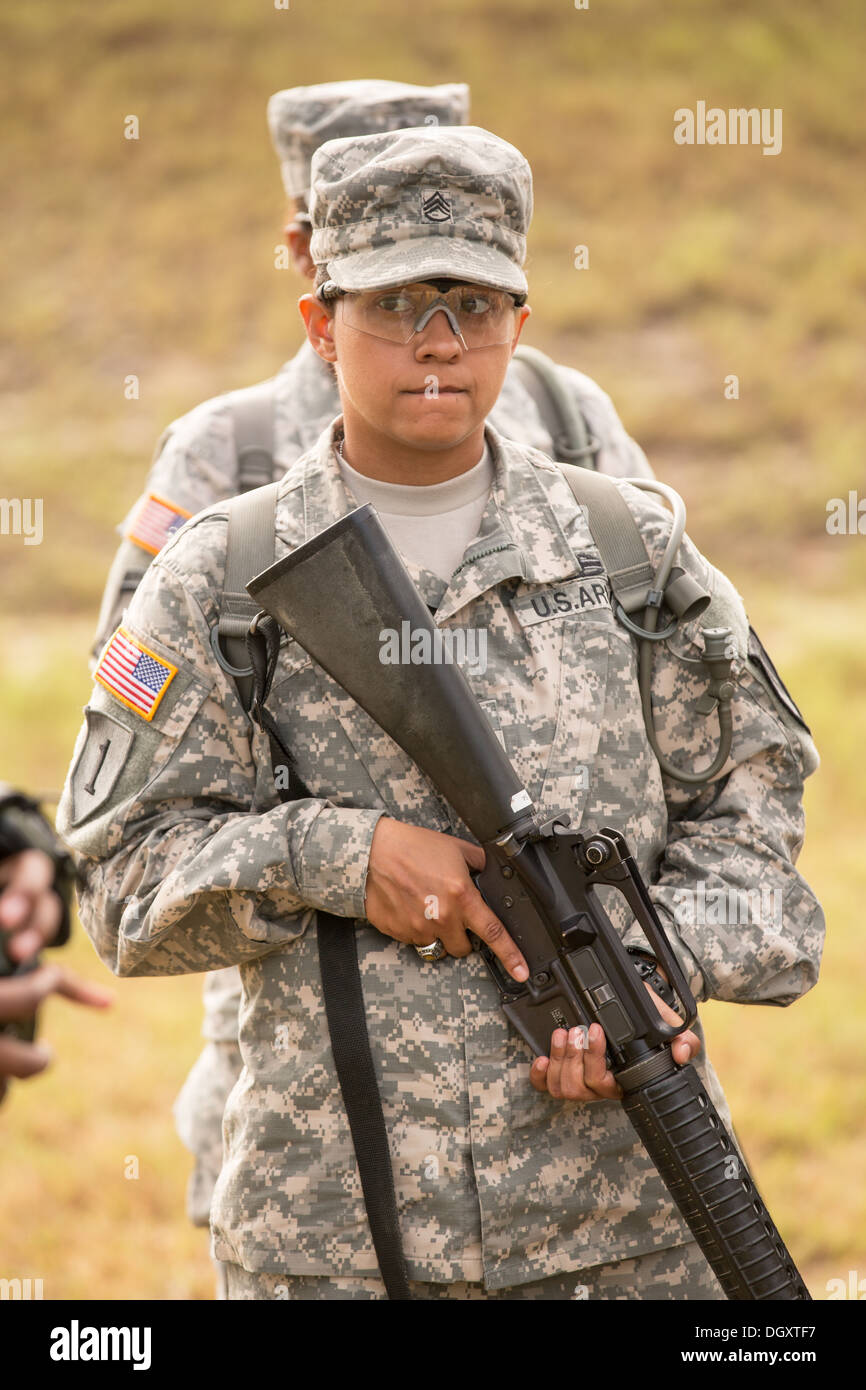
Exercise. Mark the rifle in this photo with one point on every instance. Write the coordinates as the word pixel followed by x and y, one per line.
pixel 541 880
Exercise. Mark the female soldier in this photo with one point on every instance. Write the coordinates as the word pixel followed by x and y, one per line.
pixel 514 1178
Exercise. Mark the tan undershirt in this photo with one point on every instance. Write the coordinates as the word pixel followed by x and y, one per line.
pixel 431 524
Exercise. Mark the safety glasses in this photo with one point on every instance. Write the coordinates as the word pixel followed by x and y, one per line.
pixel 479 316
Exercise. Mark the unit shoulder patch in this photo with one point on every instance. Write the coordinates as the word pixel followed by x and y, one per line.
pixel 100 763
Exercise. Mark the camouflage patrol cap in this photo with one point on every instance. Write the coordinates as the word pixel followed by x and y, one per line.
pixel 303 118
pixel 418 204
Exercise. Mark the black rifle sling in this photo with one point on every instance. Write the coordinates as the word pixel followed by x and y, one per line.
pixel 344 1007
pixel 350 1044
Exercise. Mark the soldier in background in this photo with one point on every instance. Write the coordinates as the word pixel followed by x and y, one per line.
pixel 190 861
pixel 237 441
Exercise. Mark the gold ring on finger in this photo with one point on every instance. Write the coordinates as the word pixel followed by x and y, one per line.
pixel 435 951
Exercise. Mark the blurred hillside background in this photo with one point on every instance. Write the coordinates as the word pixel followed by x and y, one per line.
pixel 155 258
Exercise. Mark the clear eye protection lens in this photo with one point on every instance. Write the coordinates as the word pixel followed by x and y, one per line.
pixel 480 317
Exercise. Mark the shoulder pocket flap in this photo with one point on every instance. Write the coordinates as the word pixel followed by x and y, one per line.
pixel 760 658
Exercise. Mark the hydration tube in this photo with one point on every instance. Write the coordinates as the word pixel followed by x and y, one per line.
pixel 717 655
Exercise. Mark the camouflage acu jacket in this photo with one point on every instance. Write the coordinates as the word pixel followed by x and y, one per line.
pixel 190 862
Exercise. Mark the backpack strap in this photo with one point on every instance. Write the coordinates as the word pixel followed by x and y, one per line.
pixel 572 441
pixel 253 411
pixel 616 535
pixel 250 549
pixel 251 530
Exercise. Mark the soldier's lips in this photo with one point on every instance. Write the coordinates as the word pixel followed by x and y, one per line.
pixel 440 391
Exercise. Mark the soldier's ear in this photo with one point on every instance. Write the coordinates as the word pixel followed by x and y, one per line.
pixel 522 315
pixel 319 323
pixel 298 241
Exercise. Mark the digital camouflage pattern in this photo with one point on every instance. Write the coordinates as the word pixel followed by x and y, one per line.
pixel 301 119
pixel 417 204
pixel 190 862
pixel 665 1275
pixel 199 1108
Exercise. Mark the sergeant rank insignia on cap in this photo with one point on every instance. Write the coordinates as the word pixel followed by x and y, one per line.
pixel 435 207
pixel 134 675
pixel 154 522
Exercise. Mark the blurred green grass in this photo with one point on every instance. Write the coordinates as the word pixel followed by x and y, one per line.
pixel 155 258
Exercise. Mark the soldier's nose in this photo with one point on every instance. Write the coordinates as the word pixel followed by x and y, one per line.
pixel 439 330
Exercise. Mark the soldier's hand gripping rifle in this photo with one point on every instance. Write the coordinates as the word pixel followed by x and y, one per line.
pixel 541 881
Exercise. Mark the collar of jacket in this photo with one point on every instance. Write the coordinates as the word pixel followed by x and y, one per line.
pixel 522 533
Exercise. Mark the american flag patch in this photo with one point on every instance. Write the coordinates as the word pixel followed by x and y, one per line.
pixel 155 521
pixel 133 674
